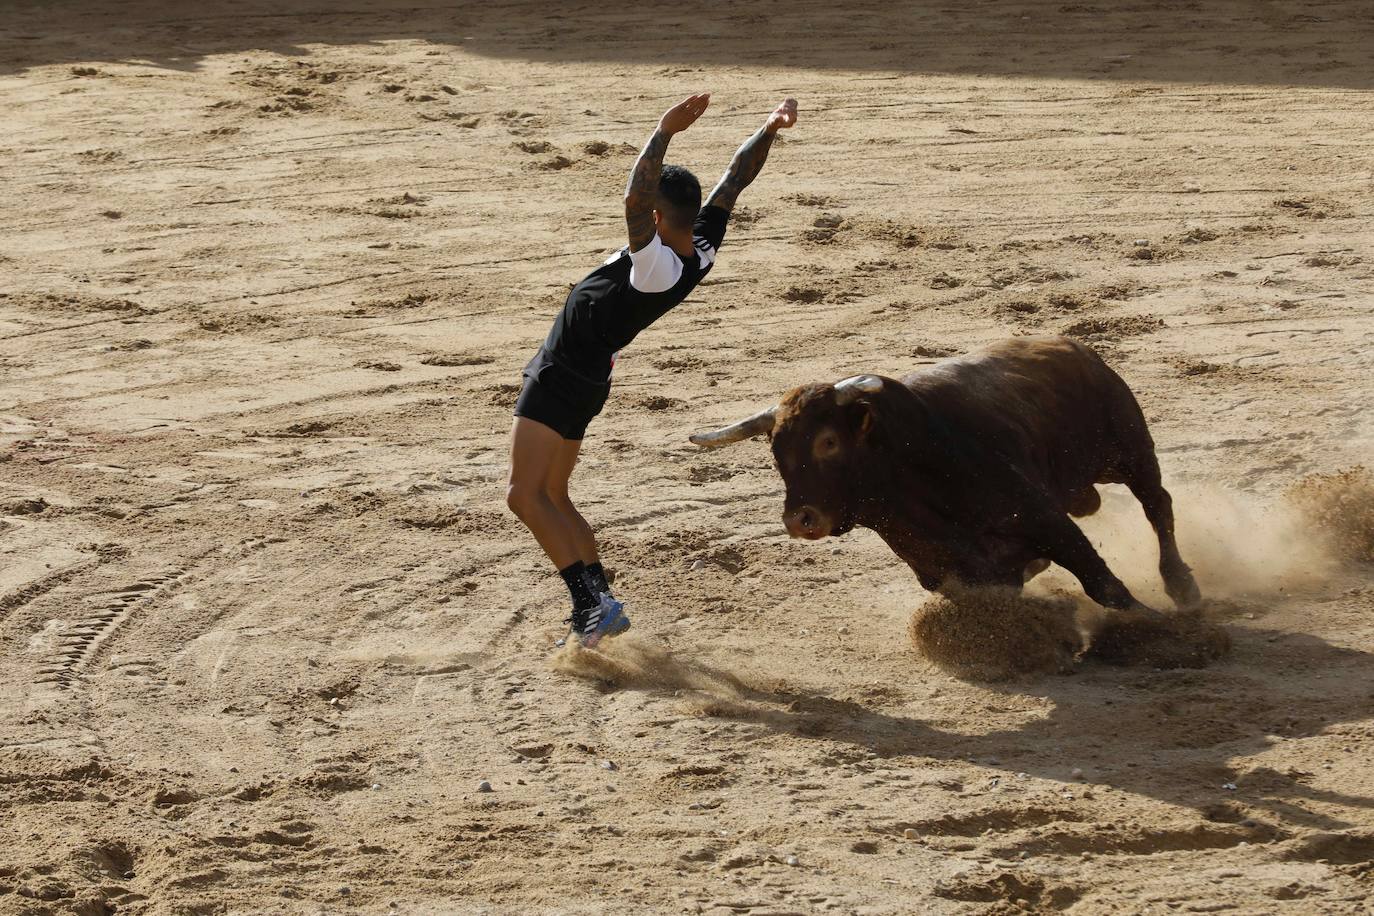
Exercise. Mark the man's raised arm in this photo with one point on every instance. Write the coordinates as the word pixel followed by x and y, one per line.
pixel 750 157
pixel 641 193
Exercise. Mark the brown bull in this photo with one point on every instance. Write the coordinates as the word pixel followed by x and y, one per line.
pixel 970 469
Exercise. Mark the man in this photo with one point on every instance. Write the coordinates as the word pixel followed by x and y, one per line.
pixel 673 244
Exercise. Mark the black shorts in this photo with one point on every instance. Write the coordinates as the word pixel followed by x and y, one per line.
pixel 560 400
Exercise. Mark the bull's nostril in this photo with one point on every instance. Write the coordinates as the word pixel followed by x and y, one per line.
pixel 808 520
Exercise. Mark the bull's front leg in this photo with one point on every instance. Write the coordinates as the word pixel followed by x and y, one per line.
pixel 928 559
pixel 1063 542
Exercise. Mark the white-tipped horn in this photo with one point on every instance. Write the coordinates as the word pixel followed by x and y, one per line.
pixel 849 389
pixel 757 425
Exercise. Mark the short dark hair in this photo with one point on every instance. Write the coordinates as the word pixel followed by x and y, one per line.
pixel 679 195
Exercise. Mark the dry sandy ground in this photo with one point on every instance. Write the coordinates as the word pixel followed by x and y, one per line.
pixel 268 275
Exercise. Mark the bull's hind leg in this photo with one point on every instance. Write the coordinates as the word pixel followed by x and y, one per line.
pixel 1137 467
pixel 1178 579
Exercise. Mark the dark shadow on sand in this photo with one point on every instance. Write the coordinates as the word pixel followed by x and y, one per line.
pixel 1327 43
pixel 1164 734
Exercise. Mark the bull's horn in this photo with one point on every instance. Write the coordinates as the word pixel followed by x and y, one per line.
pixel 757 425
pixel 849 389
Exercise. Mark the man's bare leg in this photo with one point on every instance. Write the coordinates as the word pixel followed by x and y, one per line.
pixel 534 450
pixel 541 459
pixel 556 486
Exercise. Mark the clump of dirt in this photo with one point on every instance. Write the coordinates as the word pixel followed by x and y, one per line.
pixel 1066 301
pixel 1180 640
pixel 803 294
pixel 408 301
pixel 658 402
pixel 810 200
pixel 1019 892
pixel 1340 507
pixel 1310 207
pixel 1191 367
pixel 458 359
pixel 230 323
pixel 745 216
pixel 679 363
pixel 31 505
pixel 433 520
pixel 913 236
pixel 1113 328
pixel 502 394
pixel 993 634
pixel 1199 234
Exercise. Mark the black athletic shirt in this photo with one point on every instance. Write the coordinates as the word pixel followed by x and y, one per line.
pixel 624 296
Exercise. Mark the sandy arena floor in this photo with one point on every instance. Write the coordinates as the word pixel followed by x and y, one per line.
pixel 268 275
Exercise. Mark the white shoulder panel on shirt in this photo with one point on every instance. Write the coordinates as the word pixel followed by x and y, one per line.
pixel 708 254
pixel 656 268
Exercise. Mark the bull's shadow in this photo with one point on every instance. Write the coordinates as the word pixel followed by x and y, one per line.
pixel 1286 44
pixel 1164 734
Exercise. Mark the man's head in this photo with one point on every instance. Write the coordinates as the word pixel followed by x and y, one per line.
pixel 679 199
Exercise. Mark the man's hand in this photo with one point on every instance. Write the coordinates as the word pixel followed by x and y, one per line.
pixel 784 116
pixel 684 114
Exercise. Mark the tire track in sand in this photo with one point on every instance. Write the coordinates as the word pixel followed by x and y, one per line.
pixel 82 641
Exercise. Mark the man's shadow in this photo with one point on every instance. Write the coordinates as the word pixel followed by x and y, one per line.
pixel 1169 735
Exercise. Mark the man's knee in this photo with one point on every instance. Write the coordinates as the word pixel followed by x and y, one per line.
pixel 522 498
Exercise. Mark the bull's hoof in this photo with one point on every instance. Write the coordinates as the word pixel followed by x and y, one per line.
pixel 1158 641
pixel 1184 591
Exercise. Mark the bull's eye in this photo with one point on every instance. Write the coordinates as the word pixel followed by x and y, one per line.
pixel 826 445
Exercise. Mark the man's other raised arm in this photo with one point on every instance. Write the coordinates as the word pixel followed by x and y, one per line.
pixel 750 157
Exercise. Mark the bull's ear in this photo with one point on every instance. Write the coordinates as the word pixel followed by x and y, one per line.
pixel 863 419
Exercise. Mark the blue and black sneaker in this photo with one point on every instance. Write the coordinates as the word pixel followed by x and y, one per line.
pixel 608 618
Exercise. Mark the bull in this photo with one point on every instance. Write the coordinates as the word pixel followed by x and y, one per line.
pixel 972 469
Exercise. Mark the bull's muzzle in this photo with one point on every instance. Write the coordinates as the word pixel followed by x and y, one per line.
pixel 807 522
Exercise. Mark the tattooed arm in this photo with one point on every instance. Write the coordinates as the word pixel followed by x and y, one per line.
pixel 749 160
pixel 641 193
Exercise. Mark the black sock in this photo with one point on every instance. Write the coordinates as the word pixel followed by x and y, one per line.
pixel 575 577
pixel 598 577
